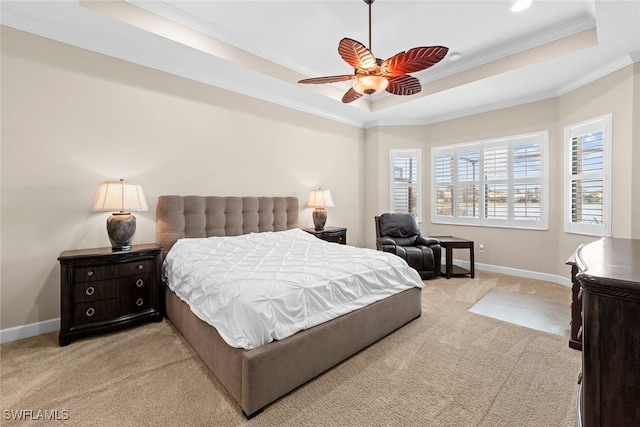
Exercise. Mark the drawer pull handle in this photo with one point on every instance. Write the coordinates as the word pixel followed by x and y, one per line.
pixel 139 282
pixel 139 302
pixel 90 311
pixel 90 273
pixel 90 290
pixel 140 266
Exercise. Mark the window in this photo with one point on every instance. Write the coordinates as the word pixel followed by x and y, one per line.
pixel 587 183
pixel 443 188
pixel 500 182
pixel 405 193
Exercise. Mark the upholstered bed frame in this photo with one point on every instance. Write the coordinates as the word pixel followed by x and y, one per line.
pixel 257 377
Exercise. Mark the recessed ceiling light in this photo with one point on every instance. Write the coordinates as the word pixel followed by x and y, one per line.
pixel 520 5
pixel 454 56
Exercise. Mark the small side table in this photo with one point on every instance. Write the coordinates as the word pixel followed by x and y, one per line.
pixel 449 243
pixel 330 234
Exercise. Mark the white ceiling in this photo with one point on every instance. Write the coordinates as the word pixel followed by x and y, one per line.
pixel 262 48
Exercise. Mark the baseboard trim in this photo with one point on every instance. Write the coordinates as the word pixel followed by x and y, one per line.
pixel 33 329
pixel 30 330
pixel 553 278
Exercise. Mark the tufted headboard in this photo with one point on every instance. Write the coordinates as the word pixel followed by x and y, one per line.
pixel 198 216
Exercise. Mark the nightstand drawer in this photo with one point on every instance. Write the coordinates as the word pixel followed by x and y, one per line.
pixel 104 289
pixel 98 311
pixel 338 237
pixel 95 273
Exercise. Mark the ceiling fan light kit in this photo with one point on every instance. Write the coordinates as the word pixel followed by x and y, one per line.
pixel 373 75
pixel 370 85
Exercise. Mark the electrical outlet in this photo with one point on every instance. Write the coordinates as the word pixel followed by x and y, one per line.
pixel 481 247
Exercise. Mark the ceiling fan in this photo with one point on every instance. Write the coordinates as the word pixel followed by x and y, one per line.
pixel 373 75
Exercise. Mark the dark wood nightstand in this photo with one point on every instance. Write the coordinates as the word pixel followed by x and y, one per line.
pixel 330 234
pixel 102 290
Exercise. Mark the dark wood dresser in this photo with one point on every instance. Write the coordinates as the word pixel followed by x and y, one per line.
pixel 102 290
pixel 609 276
pixel 575 339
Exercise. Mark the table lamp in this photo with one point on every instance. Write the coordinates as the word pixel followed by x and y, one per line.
pixel 120 198
pixel 320 199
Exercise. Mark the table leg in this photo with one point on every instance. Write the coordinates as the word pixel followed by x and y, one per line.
pixel 449 264
pixel 473 264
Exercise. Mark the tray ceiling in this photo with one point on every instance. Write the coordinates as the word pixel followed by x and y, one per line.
pixel 262 48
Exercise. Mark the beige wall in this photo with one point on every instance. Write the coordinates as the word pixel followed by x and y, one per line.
pixel 635 155
pixel 72 118
pixel 537 251
pixel 611 94
pixel 379 142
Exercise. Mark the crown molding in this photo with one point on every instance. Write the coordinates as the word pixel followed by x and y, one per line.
pixel 598 74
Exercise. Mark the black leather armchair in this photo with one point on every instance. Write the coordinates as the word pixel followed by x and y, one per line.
pixel 400 235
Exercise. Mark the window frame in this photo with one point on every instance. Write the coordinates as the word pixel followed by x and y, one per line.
pixel 511 220
pixel 416 154
pixel 602 123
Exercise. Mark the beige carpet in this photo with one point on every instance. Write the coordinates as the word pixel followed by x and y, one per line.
pixel 448 368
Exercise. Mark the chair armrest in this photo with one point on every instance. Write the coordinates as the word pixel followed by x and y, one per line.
pixel 385 241
pixel 427 241
pixel 386 244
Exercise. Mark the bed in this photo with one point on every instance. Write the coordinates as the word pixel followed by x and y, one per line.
pixel 259 376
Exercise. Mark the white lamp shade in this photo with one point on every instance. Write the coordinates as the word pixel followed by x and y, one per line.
pixel 120 196
pixel 320 199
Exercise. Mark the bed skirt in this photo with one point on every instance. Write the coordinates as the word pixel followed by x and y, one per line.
pixel 259 376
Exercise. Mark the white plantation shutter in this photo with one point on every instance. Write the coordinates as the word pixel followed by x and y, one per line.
pixel 443 175
pixel 405 193
pixel 500 182
pixel 527 179
pixel 496 162
pixel 496 182
pixel 587 184
pixel 468 178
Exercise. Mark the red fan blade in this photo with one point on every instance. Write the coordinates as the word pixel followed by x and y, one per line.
pixel 416 59
pixel 404 85
pixel 350 96
pixel 328 79
pixel 356 54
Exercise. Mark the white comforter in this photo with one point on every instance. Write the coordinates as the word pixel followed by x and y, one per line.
pixel 261 287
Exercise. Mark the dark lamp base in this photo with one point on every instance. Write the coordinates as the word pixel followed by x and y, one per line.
pixel 121 227
pixel 319 218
